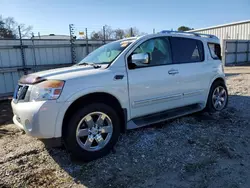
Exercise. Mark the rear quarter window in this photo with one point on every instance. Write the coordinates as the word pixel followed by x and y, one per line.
pixel 215 50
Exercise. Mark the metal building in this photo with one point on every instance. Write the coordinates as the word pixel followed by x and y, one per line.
pixel 234 39
pixel 236 30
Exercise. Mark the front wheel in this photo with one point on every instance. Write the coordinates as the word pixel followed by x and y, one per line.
pixel 92 132
pixel 218 97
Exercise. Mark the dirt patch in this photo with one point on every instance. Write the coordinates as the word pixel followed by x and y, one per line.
pixel 5 112
pixel 200 150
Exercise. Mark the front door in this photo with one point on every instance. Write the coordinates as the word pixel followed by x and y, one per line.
pixel 153 87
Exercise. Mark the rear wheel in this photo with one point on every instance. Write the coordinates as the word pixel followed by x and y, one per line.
pixel 92 132
pixel 218 97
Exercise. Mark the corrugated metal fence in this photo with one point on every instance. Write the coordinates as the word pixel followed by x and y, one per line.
pixel 26 56
pixel 236 52
pixel 18 58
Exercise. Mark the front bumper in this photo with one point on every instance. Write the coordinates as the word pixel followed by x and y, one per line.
pixel 37 119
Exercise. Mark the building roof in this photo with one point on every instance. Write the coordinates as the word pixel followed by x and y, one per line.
pixel 52 36
pixel 223 25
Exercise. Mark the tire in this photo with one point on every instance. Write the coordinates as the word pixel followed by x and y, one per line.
pixel 81 149
pixel 211 106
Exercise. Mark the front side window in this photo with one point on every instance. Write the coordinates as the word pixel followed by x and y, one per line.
pixel 106 53
pixel 215 50
pixel 158 50
pixel 185 50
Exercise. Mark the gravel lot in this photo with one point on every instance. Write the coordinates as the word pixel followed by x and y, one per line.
pixel 199 150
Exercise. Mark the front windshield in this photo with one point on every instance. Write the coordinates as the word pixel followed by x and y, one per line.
pixel 106 53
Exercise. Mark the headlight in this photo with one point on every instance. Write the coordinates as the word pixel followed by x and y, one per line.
pixel 46 90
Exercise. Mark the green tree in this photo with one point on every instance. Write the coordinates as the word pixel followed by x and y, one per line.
pixel 184 28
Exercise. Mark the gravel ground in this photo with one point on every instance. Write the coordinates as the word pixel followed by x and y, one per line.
pixel 199 150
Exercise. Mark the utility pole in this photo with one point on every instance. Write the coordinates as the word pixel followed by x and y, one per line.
pixel 72 43
pixel 104 34
pixel 22 50
pixel 33 49
pixel 87 41
pixel 131 32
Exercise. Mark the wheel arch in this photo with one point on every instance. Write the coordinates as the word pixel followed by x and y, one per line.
pixel 218 79
pixel 101 97
pixel 214 80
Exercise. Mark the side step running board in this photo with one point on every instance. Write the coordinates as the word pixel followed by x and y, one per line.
pixel 162 116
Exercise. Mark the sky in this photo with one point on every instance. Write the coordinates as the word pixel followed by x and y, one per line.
pixel 54 16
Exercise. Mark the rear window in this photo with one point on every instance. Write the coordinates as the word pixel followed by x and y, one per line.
pixel 215 50
pixel 185 50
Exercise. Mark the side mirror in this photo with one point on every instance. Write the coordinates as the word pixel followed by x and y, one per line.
pixel 140 59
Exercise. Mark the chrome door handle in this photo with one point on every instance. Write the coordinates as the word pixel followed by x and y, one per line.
pixel 173 71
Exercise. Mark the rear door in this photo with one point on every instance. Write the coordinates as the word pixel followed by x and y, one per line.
pixel 194 72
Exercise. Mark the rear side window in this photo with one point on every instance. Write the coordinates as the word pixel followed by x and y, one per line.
pixel 185 50
pixel 215 50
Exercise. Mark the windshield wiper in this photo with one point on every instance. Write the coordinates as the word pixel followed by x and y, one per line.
pixel 83 63
pixel 92 64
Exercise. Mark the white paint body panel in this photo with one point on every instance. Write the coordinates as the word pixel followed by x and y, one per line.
pixel 153 90
pixel 141 91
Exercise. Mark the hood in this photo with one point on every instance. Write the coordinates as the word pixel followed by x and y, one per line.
pixel 62 73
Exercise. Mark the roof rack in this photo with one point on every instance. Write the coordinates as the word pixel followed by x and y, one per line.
pixel 189 33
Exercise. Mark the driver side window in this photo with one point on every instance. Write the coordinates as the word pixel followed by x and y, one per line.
pixel 158 50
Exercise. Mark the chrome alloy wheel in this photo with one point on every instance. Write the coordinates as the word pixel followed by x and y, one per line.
pixel 94 131
pixel 219 98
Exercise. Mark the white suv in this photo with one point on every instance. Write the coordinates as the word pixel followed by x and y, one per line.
pixel 122 85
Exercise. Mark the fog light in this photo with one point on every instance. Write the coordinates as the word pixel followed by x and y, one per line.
pixel 18 119
pixel 28 125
